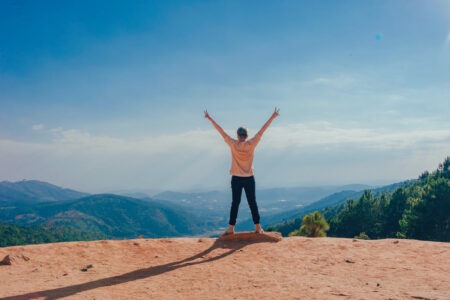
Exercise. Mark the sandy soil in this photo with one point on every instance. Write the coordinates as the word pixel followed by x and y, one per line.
pixel 192 268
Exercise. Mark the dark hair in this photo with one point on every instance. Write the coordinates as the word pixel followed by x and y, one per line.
pixel 242 131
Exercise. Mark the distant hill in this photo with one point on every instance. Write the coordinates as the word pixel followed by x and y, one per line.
pixel 269 199
pixel 295 213
pixel 214 207
pixel 35 203
pixel 415 209
pixel 39 205
pixel 109 215
pixel 287 221
pixel 32 191
pixel 418 211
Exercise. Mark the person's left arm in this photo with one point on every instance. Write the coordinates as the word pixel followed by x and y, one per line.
pixel 266 125
pixel 222 132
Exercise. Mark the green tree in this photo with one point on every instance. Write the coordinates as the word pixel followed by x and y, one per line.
pixel 428 214
pixel 356 216
pixel 313 225
pixel 362 236
pixel 417 209
pixel 444 168
pixel 394 212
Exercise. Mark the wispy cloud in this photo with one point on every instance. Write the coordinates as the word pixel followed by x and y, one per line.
pixel 299 135
pixel 339 81
pixel 80 141
pixel 327 134
pixel 286 153
pixel 37 127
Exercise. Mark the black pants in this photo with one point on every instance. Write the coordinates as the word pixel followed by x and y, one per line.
pixel 248 183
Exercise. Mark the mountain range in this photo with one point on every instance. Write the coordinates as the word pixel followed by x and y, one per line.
pixel 328 201
pixel 41 205
pixel 34 191
pixel 214 206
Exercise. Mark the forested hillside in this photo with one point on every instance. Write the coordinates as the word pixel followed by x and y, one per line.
pixel 11 235
pixel 420 210
pixel 96 216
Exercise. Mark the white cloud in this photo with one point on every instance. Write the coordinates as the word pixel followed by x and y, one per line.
pixel 299 135
pixel 81 142
pixel 340 81
pixel 37 127
pixel 327 134
pixel 314 152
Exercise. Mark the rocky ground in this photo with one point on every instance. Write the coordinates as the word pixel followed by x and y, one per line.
pixel 207 268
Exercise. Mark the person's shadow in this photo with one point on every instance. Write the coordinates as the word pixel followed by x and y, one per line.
pixel 233 246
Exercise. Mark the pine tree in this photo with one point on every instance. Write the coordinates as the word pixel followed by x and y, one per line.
pixel 313 225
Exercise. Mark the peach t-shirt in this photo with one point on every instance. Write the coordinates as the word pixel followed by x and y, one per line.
pixel 242 155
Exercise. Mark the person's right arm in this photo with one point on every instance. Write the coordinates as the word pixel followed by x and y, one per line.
pixel 257 137
pixel 225 136
pixel 266 125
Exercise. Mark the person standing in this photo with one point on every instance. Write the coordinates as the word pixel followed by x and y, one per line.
pixel 241 171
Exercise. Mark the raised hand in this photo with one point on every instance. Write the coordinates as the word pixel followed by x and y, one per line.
pixel 207 115
pixel 275 113
pixel 219 129
pixel 272 117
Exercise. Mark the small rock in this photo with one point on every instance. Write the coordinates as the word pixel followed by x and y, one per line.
pixel 354 240
pixel 86 268
pixel 6 261
pixel 395 242
pixel 65 274
pixel 378 284
pixel 136 244
pixel 349 261
pixel 156 256
pixel 10 259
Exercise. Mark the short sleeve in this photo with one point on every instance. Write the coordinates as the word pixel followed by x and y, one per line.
pixel 228 139
pixel 255 139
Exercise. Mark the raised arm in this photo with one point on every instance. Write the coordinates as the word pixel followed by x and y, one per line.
pixel 266 125
pixel 225 136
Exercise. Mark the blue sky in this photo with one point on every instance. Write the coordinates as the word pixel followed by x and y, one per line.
pixel 105 96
